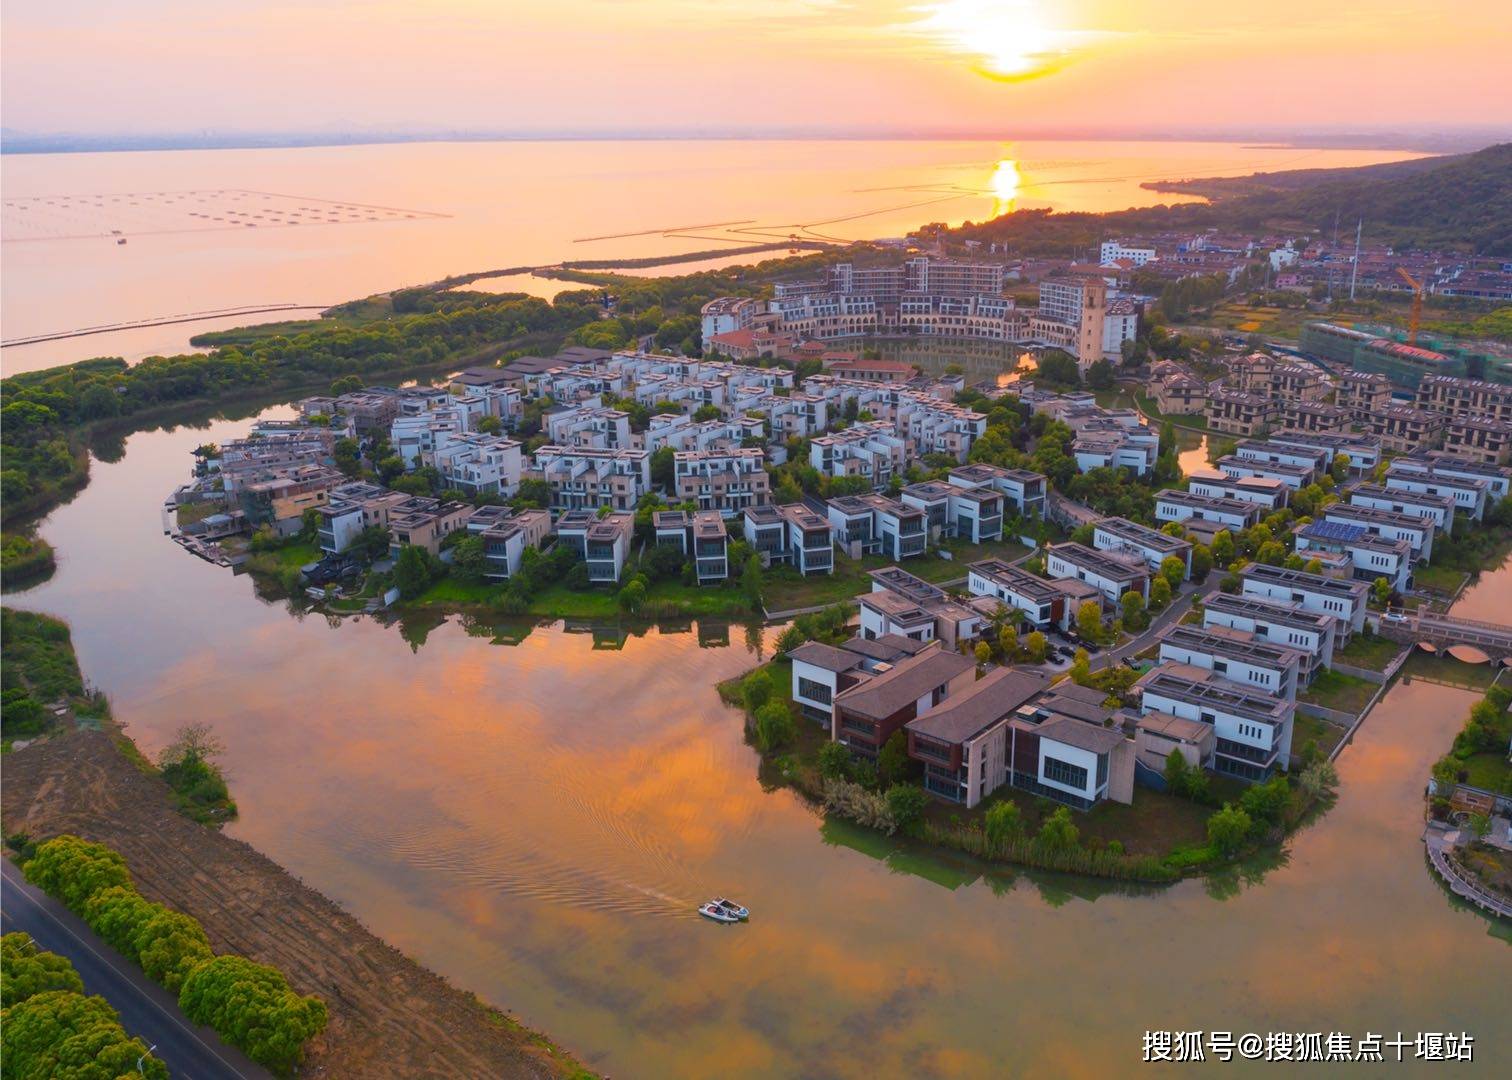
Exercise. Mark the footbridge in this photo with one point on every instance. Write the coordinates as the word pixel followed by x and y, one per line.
pixel 1447 632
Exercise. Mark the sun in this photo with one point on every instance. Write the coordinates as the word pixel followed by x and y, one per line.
pixel 1009 40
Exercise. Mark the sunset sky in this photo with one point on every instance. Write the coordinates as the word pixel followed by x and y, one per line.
pixel 100 66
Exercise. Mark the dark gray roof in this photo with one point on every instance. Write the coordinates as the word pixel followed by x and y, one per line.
pixel 886 648
pixel 825 656
pixel 988 700
pixel 910 680
pixel 1093 738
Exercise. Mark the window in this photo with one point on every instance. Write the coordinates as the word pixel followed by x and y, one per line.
pixel 814 691
pixel 1063 772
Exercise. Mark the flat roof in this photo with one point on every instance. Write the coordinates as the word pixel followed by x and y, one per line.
pixel 1014 578
pixel 1284 613
pixel 1136 533
pixel 1177 728
pixel 1103 563
pixel 1227 644
pixel 1301 579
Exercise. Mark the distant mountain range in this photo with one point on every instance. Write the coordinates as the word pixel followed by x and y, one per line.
pixel 1463 201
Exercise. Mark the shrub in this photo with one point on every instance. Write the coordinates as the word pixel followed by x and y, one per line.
pixel 167 944
pixel 834 761
pixel 1058 832
pixel 789 639
pixel 906 803
pixel 756 689
pixel 774 726
pixel 251 1006
pixel 850 800
pixel 1003 823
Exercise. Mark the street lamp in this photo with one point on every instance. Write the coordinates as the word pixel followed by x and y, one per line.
pixel 143 1058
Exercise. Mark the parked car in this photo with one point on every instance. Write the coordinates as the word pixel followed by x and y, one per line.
pixel 1395 616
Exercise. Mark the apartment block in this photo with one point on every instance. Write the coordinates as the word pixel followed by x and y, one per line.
pixel 1465 397
pixel 1253 728
pixel 724 480
pixel 1438 509
pixel 1280 622
pixel 1344 600
pixel 875 524
pixel 1236 655
pixel 1120 536
pixel 1110 575
pixel 1470 494
pixel 872 450
pixel 1488 441
pixel 1295 477
pixel 1022 489
pixel 1498 478
pixel 1233 412
pixel 1232 514
pixel 1403 429
pixel 1370 556
pixel 584 478
pixel 973 514
pixel 1362 394
pixel 792 534
pixel 1390 525
pixel 603 542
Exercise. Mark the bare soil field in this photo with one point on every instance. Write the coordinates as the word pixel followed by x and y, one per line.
pixel 390 1017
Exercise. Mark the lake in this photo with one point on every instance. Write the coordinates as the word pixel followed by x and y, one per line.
pixel 535 821
pixel 210 230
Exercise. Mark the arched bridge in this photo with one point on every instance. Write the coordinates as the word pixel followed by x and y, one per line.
pixel 1447 631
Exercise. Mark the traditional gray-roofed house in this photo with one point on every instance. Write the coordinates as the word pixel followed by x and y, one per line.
pixel 867 714
pixel 962 742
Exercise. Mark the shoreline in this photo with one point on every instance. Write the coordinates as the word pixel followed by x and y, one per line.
pixel 390 1014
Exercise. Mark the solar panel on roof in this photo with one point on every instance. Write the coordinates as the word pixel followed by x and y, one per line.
pixel 1335 530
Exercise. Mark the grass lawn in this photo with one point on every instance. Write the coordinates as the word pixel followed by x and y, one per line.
pixel 1489 771
pixel 1368 651
pixel 1443 579
pixel 189 513
pixel 1187 420
pixel 663 598
pixel 784 589
pixel 1334 690
pixel 1152 824
pixel 1309 728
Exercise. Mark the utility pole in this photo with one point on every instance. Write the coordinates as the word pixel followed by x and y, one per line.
pixel 1355 269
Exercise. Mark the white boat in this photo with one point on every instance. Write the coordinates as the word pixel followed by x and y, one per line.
pixel 730 907
pixel 713 911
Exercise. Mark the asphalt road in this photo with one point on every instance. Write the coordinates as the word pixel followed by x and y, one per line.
pixel 147 1010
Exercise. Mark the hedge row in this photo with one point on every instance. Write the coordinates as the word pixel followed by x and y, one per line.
pixel 249 1004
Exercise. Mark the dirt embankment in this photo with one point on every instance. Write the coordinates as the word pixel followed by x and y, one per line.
pixel 390 1017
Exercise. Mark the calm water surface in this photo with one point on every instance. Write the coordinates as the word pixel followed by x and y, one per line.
pixel 535 820
pixel 479 206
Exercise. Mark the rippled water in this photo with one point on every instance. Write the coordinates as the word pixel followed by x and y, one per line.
pixel 481 206
pixel 535 820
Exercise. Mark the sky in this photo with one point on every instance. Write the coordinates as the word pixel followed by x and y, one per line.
pixel 748 66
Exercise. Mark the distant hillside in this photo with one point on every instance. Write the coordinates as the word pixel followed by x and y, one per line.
pixel 1462 202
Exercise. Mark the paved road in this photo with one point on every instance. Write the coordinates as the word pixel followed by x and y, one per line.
pixel 1169 617
pixel 147 1010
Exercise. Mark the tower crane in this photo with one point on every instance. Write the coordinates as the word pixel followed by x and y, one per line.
pixel 1417 305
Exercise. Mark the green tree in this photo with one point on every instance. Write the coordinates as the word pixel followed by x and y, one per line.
pixel 982 652
pixel 1340 467
pixel 1223 548
pixel 1132 605
pixel 664 468
pixel 490 425
pixel 1202 562
pixel 1380 590
pixel 906 802
pixel 1176 769
pixel 1058 832
pixel 750 581
pixel 632 594
pixel 1089 621
pixel 468 560
pixel 1100 375
pixel 1271 553
pixel 1313 566
pixel 345 385
pixel 834 761
pixel 756 689
pixel 26 971
pixel 1081 668
pixel 413 570
pixel 1037 646
pixel 67 1035
pixel 1008 643
pixel 790 638
pixel 1228 828
pixel 1173 570
pixel 704 413
pixel 168 945
pixel 252 1007
pixel 1003 823
pixel 774 726
pixel 1160 595
pixel 893 762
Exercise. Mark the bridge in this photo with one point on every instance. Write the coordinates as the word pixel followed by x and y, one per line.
pixel 1447 631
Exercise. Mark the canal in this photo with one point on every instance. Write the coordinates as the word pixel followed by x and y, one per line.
pixel 533 811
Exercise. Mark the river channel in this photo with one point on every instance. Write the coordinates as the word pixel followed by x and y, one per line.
pixel 533 812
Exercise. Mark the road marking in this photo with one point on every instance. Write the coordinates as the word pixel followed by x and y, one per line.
pixel 126 975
